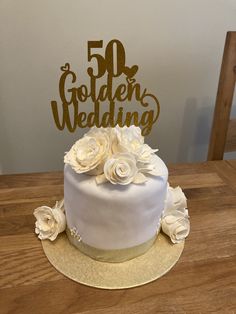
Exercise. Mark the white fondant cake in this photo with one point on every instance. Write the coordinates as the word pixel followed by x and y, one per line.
pixel 116 197
pixel 121 207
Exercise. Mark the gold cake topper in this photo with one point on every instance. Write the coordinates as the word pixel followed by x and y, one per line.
pixel 111 66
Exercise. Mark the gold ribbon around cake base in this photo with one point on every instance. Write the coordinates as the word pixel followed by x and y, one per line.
pixel 111 256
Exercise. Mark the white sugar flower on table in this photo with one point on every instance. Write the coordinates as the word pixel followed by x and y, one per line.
pixel 50 221
pixel 175 219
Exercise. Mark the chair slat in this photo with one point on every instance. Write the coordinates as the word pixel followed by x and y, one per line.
pixel 230 145
pixel 224 99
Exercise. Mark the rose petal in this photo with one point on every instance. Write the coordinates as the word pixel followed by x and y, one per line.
pixel 101 179
pixel 140 178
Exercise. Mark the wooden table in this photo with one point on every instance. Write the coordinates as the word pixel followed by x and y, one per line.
pixel 203 281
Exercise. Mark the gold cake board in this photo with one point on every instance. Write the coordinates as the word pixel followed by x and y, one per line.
pixel 156 262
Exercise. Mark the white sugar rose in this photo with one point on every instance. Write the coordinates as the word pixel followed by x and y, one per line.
pixel 121 169
pixel 130 139
pixel 89 153
pixel 94 131
pixel 175 200
pixel 175 220
pixel 126 139
pixel 147 161
pixel 145 154
pixel 50 221
pixel 176 226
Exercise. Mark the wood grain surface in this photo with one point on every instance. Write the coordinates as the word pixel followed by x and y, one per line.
pixel 203 281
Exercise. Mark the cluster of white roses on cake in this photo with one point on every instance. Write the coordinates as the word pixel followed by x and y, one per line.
pixel 118 155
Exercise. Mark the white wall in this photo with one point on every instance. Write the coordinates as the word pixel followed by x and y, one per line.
pixel 178 46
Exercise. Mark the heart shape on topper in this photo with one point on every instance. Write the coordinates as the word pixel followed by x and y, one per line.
pixel 130 80
pixel 65 67
pixel 130 72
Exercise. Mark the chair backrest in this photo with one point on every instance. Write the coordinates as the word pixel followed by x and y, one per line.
pixel 223 133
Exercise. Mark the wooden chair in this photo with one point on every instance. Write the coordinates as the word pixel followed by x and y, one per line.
pixel 223 133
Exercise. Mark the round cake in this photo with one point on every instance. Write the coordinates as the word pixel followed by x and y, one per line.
pixel 116 217
pixel 116 197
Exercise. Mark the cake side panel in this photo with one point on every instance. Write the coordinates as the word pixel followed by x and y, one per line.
pixel 113 217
